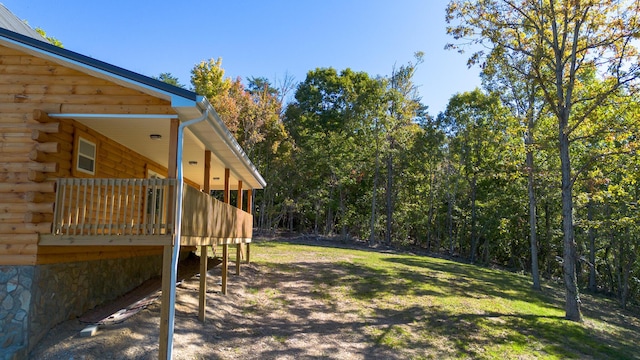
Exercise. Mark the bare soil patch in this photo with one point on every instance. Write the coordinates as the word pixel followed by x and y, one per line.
pixel 267 314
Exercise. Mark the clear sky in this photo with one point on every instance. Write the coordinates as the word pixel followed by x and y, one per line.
pixel 260 38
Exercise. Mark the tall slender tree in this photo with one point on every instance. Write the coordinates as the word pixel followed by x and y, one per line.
pixel 510 76
pixel 562 39
pixel 404 105
pixel 476 123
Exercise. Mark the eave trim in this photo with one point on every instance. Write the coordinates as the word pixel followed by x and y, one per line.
pixel 95 65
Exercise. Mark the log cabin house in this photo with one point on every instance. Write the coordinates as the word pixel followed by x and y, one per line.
pixel 106 177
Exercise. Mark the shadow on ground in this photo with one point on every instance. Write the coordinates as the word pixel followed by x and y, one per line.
pixel 311 307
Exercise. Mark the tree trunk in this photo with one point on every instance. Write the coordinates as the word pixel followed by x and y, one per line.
pixel 328 230
pixel 290 209
pixel 430 227
pixel 572 306
pixel 629 258
pixel 263 210
pixel 487 251
pixel 343 228
pixel 535 273
pixel 548 237
pixel 315 225
pixel 474 236
pixel 451 202
pixel 387 235
pixel 451 197
pixel 593 287
pixel 608 285
pixel 376 175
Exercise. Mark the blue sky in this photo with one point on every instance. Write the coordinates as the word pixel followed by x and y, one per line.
pixel 267 38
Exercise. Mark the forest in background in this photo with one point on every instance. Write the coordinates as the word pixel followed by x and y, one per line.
pixel 537 171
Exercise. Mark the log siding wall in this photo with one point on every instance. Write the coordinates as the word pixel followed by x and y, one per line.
pixel 35 150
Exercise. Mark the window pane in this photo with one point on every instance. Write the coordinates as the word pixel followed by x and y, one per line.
pixel 87 149
pixel 85 163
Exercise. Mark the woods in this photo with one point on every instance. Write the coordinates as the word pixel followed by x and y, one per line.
pixel 536 172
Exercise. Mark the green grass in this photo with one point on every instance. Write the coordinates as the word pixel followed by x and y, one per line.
pixel 433 308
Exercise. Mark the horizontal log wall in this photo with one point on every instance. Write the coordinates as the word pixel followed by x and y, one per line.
pixel 35 150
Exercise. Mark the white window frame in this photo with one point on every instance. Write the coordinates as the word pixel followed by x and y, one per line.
pixel 81 140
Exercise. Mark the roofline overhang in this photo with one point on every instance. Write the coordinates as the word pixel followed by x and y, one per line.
pixel 213 119
pixel 177 95
pixel 181 99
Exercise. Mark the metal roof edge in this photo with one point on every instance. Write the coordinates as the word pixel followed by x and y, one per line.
pixel 97 65
pixel 221 128
pixel 10 21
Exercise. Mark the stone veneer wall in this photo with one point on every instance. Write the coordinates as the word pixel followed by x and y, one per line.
pixel 33 299
pixel 15 301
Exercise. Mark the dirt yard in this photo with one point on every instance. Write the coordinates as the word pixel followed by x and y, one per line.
pixel 265 315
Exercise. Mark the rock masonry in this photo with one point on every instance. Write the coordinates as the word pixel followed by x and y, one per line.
pixel 33 299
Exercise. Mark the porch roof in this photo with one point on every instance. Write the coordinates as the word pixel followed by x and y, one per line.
pixel 207 135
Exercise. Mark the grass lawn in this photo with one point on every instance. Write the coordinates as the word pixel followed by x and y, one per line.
pixel 422 308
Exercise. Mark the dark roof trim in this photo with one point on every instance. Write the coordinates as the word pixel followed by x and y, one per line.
pixel 97 64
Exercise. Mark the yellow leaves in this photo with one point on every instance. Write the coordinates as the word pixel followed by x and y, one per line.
pixel 208 79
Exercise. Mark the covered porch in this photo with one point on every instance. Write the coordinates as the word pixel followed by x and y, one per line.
pixel 170 204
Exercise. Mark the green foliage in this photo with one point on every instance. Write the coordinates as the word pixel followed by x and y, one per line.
pixel 169 79
pixel 578 54
pixel 359 157
pixel 332 122
pixel 422 307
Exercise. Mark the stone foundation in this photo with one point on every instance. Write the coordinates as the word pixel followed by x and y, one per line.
pixel 33 299
pixel 15 302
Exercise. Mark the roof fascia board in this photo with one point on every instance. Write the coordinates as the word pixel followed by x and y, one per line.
pixel 177 95
pixel 180 98
pixel 218 125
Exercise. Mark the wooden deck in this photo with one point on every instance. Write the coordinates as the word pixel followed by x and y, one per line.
pixel 139 212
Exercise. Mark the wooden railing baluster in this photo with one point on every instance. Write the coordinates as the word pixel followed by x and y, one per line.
pixel 139 207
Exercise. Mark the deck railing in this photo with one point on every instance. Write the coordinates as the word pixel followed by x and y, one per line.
pixel 206 217
pixel 113 207
pixel 137 207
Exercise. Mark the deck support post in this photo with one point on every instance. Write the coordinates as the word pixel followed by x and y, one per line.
pixel 225 246
pixel 225 267
pixel 202 298
pixel 167 253
pixel 239 244
pixel 250 211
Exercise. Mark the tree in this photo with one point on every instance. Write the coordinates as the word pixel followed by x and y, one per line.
pixel 476 125
pixel 332 122
pixel 254 116
pixel 510 76
pixel 169 79
pixel 207 78
pixel 561 40
pixel 404 104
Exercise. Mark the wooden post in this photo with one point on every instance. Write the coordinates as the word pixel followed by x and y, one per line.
pixel 227 196
pixel 225 246
pixel 168 250
pixel 250 211
pixel 202 299
pixel 239 244
pixel 172 168
pixel 239 194
pixel 225 268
